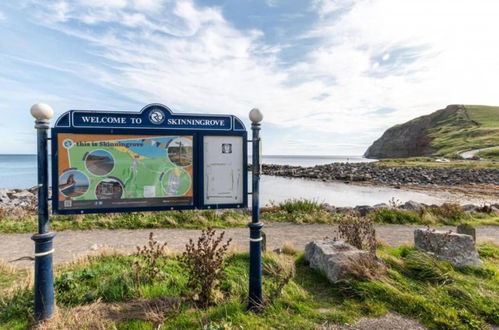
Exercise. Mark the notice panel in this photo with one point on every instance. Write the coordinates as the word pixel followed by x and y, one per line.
pixel 223 169
pixel 115 171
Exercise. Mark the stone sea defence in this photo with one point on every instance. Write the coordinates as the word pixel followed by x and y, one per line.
pixel 412 175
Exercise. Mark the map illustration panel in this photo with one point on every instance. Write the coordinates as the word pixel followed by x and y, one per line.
pixel 113 171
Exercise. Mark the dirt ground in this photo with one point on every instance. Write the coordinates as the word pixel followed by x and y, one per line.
pixel 70 245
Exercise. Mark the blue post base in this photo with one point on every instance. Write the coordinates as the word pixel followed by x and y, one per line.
pixel 44 277
pixel 255 302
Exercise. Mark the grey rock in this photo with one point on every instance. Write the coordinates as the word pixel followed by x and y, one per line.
pixel 363 209
pixel 23 195
pixel 344 210
pixel 328 207
pixel 4 197
pixel 467 229
pixel 337 259
pixel 458 249
pixel 412 206
pixel 470 207
pixel 380 206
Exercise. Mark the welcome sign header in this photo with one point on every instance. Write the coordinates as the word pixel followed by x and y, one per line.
pixel 155 116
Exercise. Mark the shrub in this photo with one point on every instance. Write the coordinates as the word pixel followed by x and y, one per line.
pixel 449 211
pixel 300 205
pixel 358 232
pixel 204 264
pixel 395 216
pixel 422 266
pixel 146 267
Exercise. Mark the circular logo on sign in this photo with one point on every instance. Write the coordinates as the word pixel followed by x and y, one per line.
pixel 68 143
pixel 156 116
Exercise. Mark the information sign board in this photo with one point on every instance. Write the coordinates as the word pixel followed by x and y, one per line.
pixel 152 160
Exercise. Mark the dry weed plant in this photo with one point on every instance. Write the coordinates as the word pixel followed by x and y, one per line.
pixel 281 270
pixel 146 267
pixel 6 268
pixel 289 249
pixel 358 232
pixel 368 267
pixel 204 264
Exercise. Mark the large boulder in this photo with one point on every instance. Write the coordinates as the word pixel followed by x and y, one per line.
pixel 458 249
pixel 339 260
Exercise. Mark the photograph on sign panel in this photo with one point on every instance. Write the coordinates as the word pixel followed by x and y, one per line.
pixel 113 171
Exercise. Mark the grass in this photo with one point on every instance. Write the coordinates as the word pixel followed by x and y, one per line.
pixel 434 293
pixel 8 275
pixel 431 162
pixel 169 219
pixel 491 154
pixel 298 211
pixel 446 214
pixel 471 127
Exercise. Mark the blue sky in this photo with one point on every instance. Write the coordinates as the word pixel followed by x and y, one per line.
pixel 330 76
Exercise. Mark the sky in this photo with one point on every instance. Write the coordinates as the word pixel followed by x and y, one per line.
pixel 329 75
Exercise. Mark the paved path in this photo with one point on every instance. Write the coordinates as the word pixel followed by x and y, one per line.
pixel 471 153
pixel 72 244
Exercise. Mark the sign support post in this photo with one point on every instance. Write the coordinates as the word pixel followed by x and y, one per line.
pixel 44 278
pixel 255 268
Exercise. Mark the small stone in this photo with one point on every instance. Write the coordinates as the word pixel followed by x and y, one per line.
pixel 94 247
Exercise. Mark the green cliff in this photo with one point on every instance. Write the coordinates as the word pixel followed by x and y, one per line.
pixel 444 132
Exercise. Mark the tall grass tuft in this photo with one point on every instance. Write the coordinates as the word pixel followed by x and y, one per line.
pixel 300 205
pixel 424 267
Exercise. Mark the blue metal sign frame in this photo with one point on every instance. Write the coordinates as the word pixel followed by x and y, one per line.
pixel 156 119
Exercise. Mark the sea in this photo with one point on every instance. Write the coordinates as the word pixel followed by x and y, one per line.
pixel 20 171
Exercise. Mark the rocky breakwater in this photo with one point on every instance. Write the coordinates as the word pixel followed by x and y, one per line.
pixel 18 202
pixel 411 175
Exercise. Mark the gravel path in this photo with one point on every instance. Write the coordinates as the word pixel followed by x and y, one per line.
pixel 72 244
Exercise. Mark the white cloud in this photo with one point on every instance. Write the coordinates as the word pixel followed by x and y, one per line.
pixel 2 16
pixel 412 56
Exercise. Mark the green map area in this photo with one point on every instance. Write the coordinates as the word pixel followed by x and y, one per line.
pixel 127 168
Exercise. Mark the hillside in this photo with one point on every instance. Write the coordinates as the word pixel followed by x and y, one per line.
pixel 445 132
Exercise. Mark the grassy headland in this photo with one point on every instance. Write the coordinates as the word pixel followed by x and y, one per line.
pixel 471 127
pixel 443 133
pixel 103 292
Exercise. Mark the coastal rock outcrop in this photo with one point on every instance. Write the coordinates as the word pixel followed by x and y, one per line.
pixel 410 139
